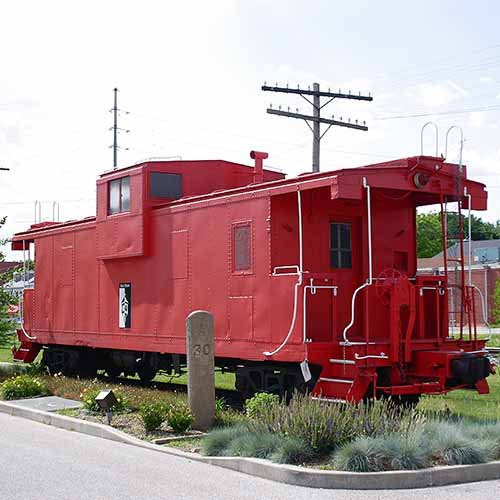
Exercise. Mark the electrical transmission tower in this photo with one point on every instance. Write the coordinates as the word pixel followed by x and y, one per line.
pixel 115 110
pixel 315 118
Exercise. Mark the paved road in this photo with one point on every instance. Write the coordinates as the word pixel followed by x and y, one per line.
pixel 41 462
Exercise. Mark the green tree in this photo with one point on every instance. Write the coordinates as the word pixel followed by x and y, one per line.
pixel 429 236
pixel 496 304
pixel 6 324
pixel 429 241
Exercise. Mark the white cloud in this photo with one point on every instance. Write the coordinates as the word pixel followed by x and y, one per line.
pixel 437 95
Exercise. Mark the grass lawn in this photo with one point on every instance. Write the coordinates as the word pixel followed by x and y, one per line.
pixel 468 403
pixel 222 380
pixel 5 350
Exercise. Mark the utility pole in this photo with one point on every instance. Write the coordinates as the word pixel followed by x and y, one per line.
pixel 316 119
pixel 115 110
pixel 115 128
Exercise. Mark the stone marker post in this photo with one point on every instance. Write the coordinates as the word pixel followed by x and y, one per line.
pixel 201 370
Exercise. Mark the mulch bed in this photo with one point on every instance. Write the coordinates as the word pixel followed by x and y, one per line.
pixel 131 423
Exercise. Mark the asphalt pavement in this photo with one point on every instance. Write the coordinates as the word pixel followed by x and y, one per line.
pixel 42 462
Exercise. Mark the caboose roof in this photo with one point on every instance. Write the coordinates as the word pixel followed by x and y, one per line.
pixel 394 175
pixel 346 183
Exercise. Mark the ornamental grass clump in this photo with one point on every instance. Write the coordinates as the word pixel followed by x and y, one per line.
pixel 325 426
pixel 22 386
pixel 216 442
pixel 449 445
pixel 250 444
pixel 487 433
pixel 360 455
pixel 379 453
pixel 292 451
pixel 241 441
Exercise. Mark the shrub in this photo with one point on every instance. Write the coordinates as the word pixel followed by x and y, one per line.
pixel 391 452
pixel 292 451
pixel 22 386
pixel 35 368
pixel 180 417
pixel 403 452
pixel 259 403
pixel 325 426
pixel 361 455
pixel 153 415
pixel 229 417
pixel 216 442
pixel 250 444
pixel 89 394
pixel 486 435
pixel 496 304
pixel 448 445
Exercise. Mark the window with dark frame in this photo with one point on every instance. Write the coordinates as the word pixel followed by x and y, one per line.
pixel 165 185
pixel 119 195
pixel 340 245
pixel 242 244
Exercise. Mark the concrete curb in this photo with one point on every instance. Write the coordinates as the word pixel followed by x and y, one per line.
pixel 13 368
pixel 289 474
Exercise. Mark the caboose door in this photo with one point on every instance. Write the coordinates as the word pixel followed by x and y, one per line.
pixel 346 266
pixel 335 270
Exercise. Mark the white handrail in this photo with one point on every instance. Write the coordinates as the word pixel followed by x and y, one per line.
pixel 483 308
pixel 461 141
pixel 469 235
pixel 296 268
pixel 422 137
pixel 297 285
pixel 369 281
pixel 38 211
pixel 382 355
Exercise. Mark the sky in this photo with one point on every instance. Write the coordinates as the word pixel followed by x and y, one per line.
pixel 190 73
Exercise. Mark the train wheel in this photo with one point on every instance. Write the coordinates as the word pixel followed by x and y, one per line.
pixel 113 371
pixel 87 367
pixel 146 372
pixel 62 361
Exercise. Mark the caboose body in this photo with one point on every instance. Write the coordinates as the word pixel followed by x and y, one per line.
pixel 312 280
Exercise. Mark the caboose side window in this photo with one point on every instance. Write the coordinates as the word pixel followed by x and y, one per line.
pixel 340 245
pixel 165 185
pixel 119 195
pixel 242 245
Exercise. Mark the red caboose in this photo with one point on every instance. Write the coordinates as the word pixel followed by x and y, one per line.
pixel 312 280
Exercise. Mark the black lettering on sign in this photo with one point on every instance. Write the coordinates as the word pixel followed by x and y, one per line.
pixel 124 305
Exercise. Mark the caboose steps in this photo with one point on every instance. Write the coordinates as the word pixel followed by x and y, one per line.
pixel 336 388
pixel 26 352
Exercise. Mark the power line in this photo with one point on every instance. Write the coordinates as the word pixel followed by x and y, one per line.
pixel 316 119
pixel 495 107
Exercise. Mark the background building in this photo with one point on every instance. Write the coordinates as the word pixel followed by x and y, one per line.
pixel 484 270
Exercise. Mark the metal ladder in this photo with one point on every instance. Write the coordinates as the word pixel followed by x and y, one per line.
pixel 465 305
